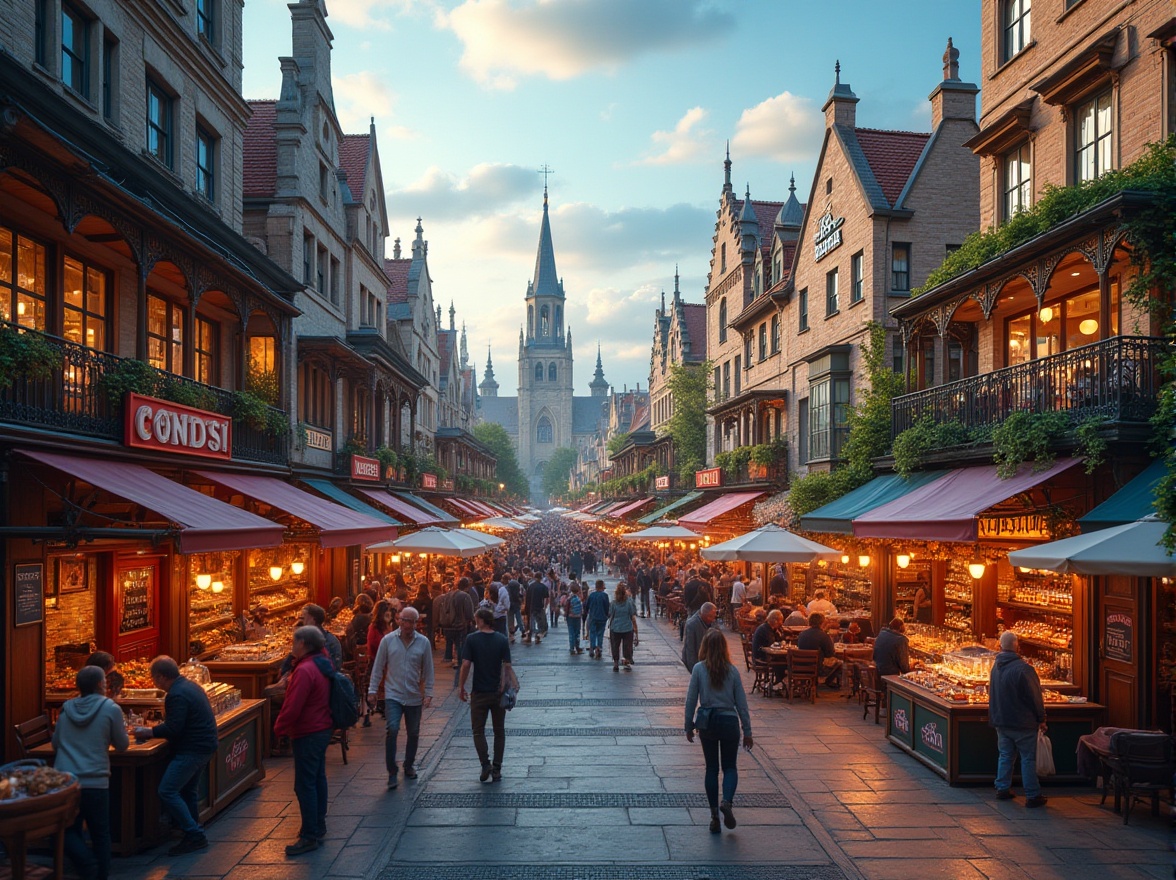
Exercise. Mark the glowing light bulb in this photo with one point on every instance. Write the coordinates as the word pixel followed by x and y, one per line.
pixel 1088 327
pixel 297 566
pixel 203 581
pixel 218 586
pixel 276 572
pixel 845 559
pixel 864 560
pixel 976 569
pixel 902 560
pixel 1046 315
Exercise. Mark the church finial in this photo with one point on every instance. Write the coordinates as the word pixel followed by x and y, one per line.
pixel 792 185
pixel 452 315
pixel 727 170
pixel 396 249
pixel 677 294
pixel 837 73
pixel 951 62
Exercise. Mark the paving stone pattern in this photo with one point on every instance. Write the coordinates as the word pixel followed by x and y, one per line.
pixel 610 872
pixel 587 800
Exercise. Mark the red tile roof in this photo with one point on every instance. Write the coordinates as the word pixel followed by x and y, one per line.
pixel 640 419
pixel 397 274
pixel 353 158
pixel 892 156
pixel 765 213
pixel 260 151
pixel 695 314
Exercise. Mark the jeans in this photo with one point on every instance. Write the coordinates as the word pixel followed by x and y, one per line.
pixel 500 624
pixel 515 618
pixel 1012 741
pixel 310 781
pixel 412 727
pixel 618 640
pixel 721 737
pixel 455 636
pixel 573 632
pixel 537 624
pixel 596 633
pixel 480 705
pixel 645 602
pixel 553 613
pixel 94 810
pixel 177 790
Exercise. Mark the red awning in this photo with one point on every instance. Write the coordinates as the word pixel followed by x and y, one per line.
pixel 608 508
pixel 723 504
pixel 946 509
pixel 337 525
pixel 630 508
pixel 466 508
pixel 484 507
pixel 412 514
pixel 205 524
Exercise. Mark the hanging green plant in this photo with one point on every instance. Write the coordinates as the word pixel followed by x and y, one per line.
pixel 924 436
pixel 250 410
pixel 1027 437
pixel 185 393
pixel 130 377
pixel 26 353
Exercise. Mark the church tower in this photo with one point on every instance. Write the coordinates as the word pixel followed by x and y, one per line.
pixel 545 365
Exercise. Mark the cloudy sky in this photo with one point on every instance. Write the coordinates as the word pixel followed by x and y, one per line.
pixel 631 103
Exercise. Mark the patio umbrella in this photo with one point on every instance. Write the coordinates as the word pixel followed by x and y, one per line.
pixel 503 522
pixel 475 535
pixel 1133 549
pixel 436 542
pixel 662 533
pixel 770 543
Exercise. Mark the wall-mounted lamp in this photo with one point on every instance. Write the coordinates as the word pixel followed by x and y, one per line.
pixel 902 560
pixel 203 581
pixel 845 559
pixel 977 567
pixel 218 586
pixel 297 566
pixel 276 572
pixel 396 559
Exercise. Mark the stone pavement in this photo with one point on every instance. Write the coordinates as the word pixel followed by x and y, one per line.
pixel 599 782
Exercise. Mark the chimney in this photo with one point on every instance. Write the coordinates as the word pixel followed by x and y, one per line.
pixel 841 106
pixel 952 98
pixel 396 249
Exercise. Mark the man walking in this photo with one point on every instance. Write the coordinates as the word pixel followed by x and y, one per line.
pixel 536 610
pixel 461 617
pixel 597 619
pixel 488 654
pixel 515 614
pixel 693 631
pixel 404 665
pixel 1017 711
pixel 305 717
pixel 501 602
pixel 87 728
pixel 190 728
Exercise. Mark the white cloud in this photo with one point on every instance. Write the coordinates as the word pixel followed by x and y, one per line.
pixel 787 128
pixel 561 39
pixel 487 188
pixel 360 96
pixel 688 142
pixel 610 307
pixel 373 14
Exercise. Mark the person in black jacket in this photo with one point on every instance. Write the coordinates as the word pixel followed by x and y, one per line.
pixel 892 650
pixel 1017 711
pixel 816 639
pixel 190 727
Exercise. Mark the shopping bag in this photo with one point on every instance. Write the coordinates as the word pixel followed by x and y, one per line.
pixel 1045 759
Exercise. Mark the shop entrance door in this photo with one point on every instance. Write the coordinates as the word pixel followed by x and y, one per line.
pixel 136 608
pixel 1120 637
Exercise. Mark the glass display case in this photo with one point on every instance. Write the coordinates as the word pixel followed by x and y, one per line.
pixel 1039 607
pixel 957 596
pixel 279 578
pixel 211 591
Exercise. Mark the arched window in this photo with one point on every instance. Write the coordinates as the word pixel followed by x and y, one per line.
pixel 544 322
pixel 551 373
pixel 543 432
pixel 723 320
pixel 558 320
pixel 530 320
pixel 538 372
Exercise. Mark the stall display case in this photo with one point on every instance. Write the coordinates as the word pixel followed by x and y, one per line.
pixel 847 587
pixel 1039 608
pixel 907 582
pixel 279 578
pixel 958 589
pixel 212 611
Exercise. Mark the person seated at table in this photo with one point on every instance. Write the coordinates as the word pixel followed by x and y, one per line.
pixel 816 639
pixel 821 605
pixel 892 649
pixel 109 667
pixel 771 630
pixel 798 617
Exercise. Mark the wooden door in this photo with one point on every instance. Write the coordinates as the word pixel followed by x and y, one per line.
pixel 1121 638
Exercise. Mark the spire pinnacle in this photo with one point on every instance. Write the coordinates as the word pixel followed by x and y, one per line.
pixel 837 72
pixel 546 281
pixel 727 170
pixel 792 184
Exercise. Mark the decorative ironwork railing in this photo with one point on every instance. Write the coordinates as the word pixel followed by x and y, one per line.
pixel 73 399
pixel 1117 379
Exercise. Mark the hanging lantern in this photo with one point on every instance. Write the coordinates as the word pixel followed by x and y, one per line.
pixel 297 566
pixel 977 567
pixel 845 559
pixel 203 581
pixel 218 586
pixel 275 572
pixel 902 560
pixel 864 561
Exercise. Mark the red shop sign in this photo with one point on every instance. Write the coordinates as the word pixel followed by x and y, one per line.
pixel 661 483
pixel 364 468
pixel 171 427
pixel 428 481
pixel 708 478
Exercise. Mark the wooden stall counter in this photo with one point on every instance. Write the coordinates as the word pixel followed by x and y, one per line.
pixel 955 740
pixel 251 676
pixel 134 776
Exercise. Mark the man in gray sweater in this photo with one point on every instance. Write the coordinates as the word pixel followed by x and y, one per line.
pixel 694 630
pixel 89 725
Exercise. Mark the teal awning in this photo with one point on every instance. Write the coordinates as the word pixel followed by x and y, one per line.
pixel 661 512
pixel 838 516
pixel 444 515
pixel 1134 501
pixel 348 500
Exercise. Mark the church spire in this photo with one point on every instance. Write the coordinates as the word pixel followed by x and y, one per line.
pixel 546 281
pixel 599 385
pixel 727 188
pixel 489 385
pixel 452 315
pixel 465 352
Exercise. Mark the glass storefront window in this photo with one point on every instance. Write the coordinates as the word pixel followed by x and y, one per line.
pixel 1020 343
pixel 84 304
pixel 22 295
pixel 211 590
pixel 289 590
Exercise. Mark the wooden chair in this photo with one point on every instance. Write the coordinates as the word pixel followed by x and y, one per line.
pixel 763 679
pixel 32 733
pixel 803 674
pixel 1140 766
pixel 856 660
pixel 874 690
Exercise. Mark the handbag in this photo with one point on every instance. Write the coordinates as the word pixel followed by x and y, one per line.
pixel 1045 759
pixel 508 683
pixel 702 718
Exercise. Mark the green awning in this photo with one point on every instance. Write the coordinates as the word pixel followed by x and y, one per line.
pixel 1134 501
pixel 661 512
pixel 838 516
pixel 348 500
pixel 444 515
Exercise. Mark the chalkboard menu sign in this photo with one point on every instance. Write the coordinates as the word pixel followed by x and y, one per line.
pixel 1117 634
pixel 29 604
pixel 135 599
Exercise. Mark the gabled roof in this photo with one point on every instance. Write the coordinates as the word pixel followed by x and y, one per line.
pixel 892 157
pixel 765 213
pixel 445 350
pixel 640 419
pixel 396 272
pixel 354 151
pixel 260 151
pixel 586 413
pixel 502 411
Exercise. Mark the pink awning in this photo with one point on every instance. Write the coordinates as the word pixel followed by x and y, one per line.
pixel 205 524
pixel 483 507
pixel 403 509
pixel 630 508
pixel 467 508
pixel 608 508
pixel 723 504
pixel 337 526
pixel 947 509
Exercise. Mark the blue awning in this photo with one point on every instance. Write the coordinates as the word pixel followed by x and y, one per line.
pixel 348 500
pixel 444 515
pixel 838 516
pixel 1134 501
pixel 670 508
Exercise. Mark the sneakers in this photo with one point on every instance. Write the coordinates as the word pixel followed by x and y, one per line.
pixel 496 774
pixel 1039 801
pixel 303 845
pixel 578 651
pixel 1004 794
pixel 728 814
pixel 628 664
pixel 189 844
pixel 526 640
pixel 486 770
pixel 392 781
pixel 409 772
pixel 714 824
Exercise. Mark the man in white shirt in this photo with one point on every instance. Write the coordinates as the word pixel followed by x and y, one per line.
pixel 501 605
pixel 404 665
pixel 821 605
pixel 755 591
pixel 738 597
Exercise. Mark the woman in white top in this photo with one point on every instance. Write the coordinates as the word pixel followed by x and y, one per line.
pixel 717 690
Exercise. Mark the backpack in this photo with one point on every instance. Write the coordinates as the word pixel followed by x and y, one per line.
pixel 443 611
pixel 342 701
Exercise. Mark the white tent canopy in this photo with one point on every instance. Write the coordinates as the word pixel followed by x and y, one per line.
pixel 439 542
pixel 662 533
pixel 1133 549
pixel 769 543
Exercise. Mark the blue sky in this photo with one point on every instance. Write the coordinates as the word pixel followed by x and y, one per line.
pixel 631 103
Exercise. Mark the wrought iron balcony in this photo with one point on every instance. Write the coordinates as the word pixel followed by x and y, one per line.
pixel 1117 379
pixel 72 399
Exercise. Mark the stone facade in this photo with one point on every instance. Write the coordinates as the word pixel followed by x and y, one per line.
pixel 679 337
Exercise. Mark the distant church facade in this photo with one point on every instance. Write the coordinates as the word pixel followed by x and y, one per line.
pixel 545 415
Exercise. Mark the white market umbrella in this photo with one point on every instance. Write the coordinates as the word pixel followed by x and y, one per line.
pixel 550 509
pixel 502 522
pixel 662 533
pixel 475 535
pixel 437 542
pixel 1133 549
pixel 769 543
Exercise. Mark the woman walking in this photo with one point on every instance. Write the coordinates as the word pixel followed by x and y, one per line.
pixel 575 611
pixel 622 626
pixel 717 691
